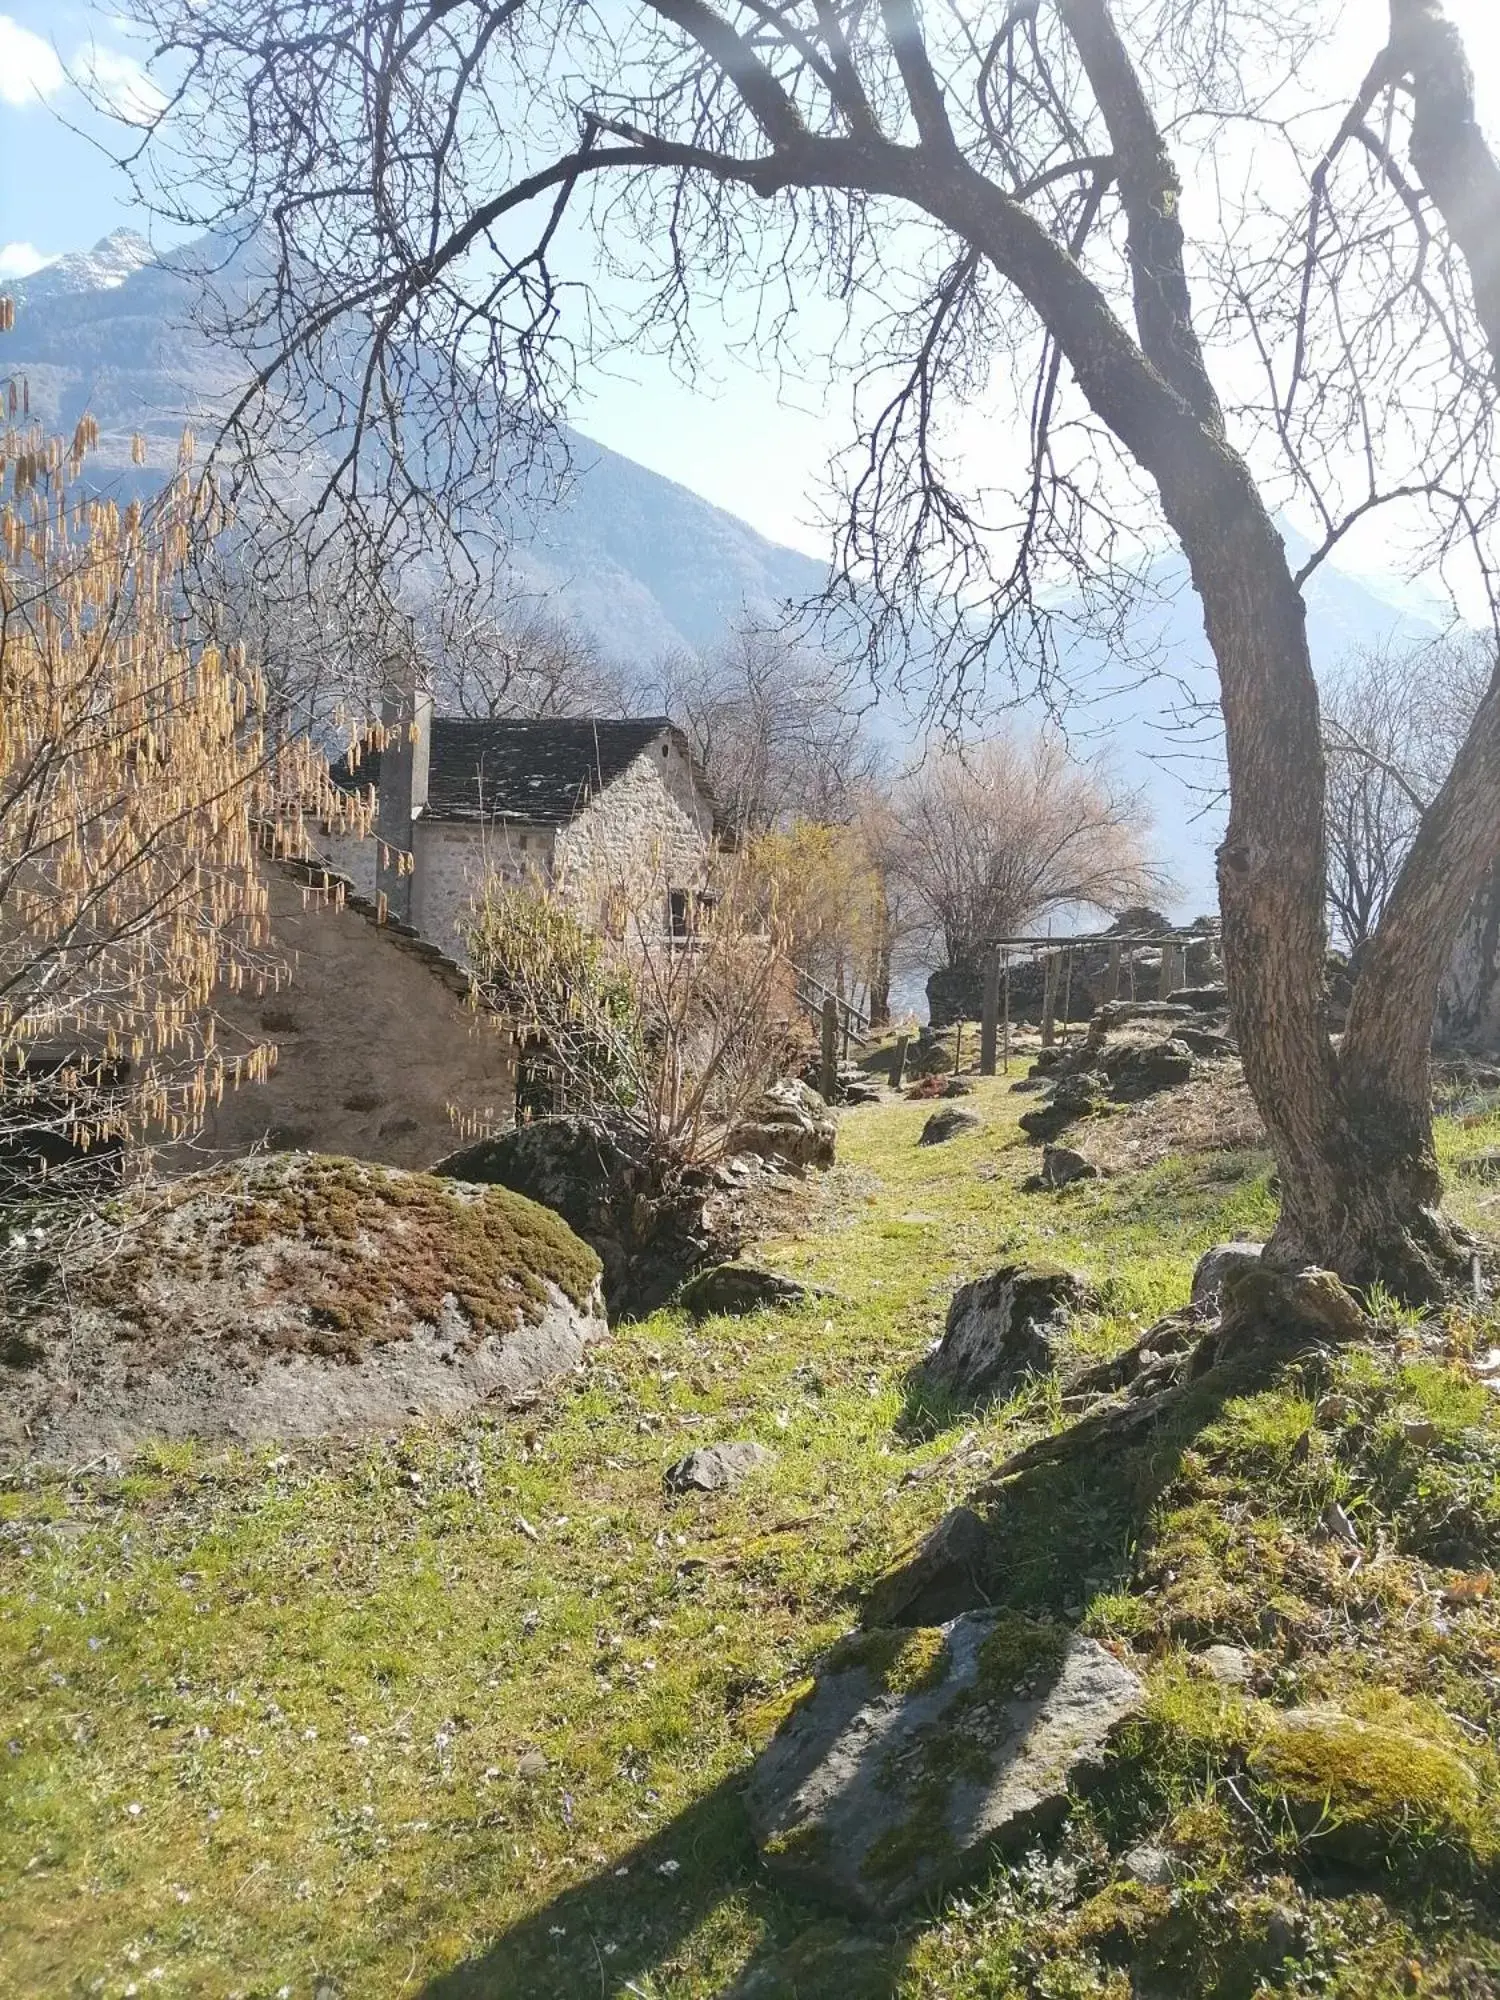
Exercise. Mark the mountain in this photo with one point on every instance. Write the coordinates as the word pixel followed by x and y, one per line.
pixel 1161 731
pixel 646 564
pixel 641 561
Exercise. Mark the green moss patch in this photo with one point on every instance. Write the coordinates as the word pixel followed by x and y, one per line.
pixel 1398 1774
pixel 1019 1656
pixel 901 1660
pixel 359 1252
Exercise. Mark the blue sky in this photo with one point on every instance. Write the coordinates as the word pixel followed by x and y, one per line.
pixel 754 445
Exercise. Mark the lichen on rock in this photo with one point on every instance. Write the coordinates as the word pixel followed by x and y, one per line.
pixel 916 1755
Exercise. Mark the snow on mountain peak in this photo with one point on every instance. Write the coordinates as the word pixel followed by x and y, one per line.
pixel 112 260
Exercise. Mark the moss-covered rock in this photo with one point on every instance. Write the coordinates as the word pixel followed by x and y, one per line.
pixel 916 1756
pixel 297 1294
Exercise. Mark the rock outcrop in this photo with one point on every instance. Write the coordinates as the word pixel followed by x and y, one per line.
pixel 650 1235
pixel 923 1751
pixel 1003 1329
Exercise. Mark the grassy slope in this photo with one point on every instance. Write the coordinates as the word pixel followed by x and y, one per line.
pixel 463 1713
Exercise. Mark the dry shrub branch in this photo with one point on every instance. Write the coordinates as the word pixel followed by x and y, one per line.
pixel 137 790
pixel 666 1027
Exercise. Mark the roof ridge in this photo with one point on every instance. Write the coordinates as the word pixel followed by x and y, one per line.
pixel 310 873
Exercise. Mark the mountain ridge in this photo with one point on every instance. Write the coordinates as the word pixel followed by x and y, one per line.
pixel 642 561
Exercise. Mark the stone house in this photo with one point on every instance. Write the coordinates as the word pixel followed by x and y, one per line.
pixel 381 1053
pixel 590 808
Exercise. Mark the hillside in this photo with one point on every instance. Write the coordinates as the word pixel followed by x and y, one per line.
pixel 646 565
pixel 468 1710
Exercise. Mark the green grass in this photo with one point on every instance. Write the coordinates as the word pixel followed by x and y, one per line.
pixel 464 1712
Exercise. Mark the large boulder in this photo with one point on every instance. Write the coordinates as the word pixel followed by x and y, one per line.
pixel 788 1123
pixel 296 1295
pixel 651 1231
pixel 1003 1329
pixel 924 1751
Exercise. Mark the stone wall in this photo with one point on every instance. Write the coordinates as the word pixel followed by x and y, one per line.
pixel 644 834
pixel 452 860
pixel 375 1042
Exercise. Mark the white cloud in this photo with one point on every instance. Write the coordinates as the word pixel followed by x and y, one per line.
pixel 118 81
pixel 19 260
pixel 29 67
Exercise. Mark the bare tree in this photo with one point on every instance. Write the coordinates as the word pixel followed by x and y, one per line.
pixel 518 659
pixel 1394 719
pixel 994 193
pixel 772 722
pixel 994 835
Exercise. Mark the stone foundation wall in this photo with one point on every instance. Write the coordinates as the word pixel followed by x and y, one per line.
pixel 375 1042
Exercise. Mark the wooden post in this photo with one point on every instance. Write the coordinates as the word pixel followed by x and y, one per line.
pixel 1067 1011
pixel 898 1062
pixel 958 1046
pixel 1049 1000
pixel 1168 967
pixel 828 1073
pixel 1006 1005
pixel 1112 977
pixel 990 1019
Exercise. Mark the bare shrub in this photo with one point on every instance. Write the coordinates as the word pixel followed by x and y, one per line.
pixel 669 1033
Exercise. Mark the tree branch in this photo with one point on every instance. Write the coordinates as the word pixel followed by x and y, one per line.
pixel 1152 194
pixel 1448 147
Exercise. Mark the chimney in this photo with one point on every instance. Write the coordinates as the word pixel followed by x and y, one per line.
pixel 406 720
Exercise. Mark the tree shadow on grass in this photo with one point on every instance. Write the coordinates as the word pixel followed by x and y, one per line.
pixel 1063 1532
pixel 624 1930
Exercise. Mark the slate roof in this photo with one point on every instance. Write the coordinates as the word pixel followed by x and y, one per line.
pixel 543 773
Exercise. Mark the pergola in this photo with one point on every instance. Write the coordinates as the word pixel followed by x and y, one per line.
pixel 1057 956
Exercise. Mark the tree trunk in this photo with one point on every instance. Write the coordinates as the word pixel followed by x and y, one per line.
pixel 1351 1130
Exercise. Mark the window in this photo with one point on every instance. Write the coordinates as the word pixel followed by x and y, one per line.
pixel 678 907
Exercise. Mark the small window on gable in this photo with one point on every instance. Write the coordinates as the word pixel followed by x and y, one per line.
pixel 666 749
pixel 677 910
